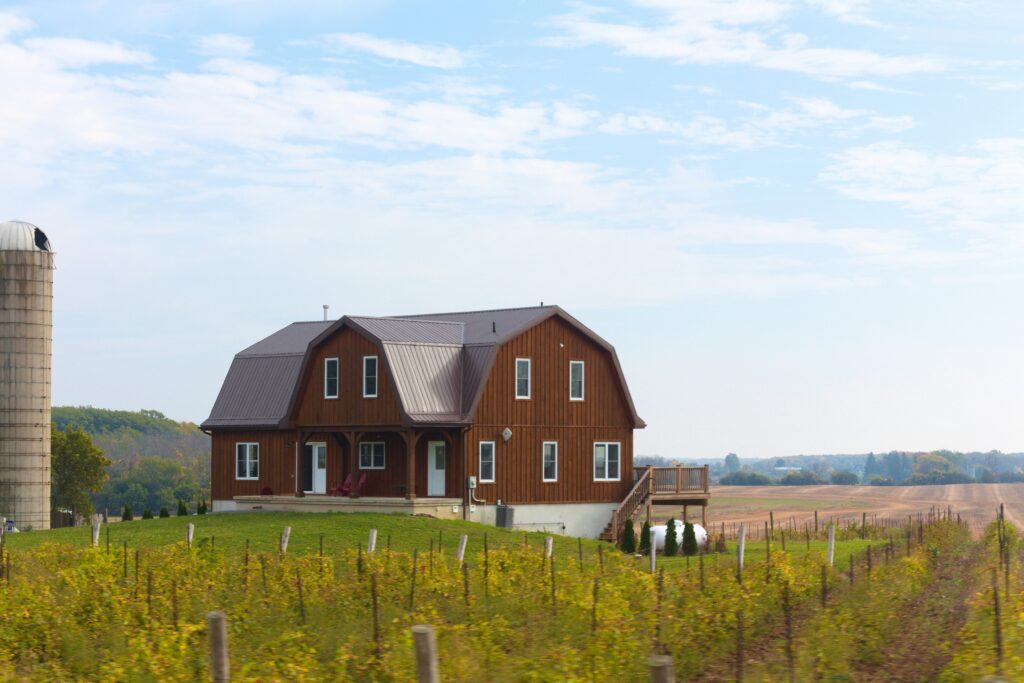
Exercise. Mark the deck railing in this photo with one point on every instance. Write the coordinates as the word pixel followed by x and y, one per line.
pixel 633 500
pixel 651 481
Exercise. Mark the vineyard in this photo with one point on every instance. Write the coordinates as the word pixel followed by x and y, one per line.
pixel 135 607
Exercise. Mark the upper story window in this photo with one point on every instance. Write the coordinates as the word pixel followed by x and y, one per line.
pixel 330 378
pixel 575 380
pixel 487 462
pixel 371 455
pixel 522 378
pixel 369 376
pixel 247 461
pixel 550 454
pixel 606 461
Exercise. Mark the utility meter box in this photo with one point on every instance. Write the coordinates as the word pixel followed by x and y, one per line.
pixel 472 482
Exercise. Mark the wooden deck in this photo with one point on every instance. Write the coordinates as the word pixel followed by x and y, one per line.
pixel 683 486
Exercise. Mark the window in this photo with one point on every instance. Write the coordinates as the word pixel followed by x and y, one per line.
pixel 575 380
pixel 550 449
pixel 247 461
pixel 369 376
pixel 487 462
pixel 606 461
pixel 330 378
pixel 522 378
pixel 371 455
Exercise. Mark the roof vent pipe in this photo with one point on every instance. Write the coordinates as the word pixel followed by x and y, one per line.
pixel 326 306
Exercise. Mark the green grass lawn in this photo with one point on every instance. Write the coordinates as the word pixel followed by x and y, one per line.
pixel 229 532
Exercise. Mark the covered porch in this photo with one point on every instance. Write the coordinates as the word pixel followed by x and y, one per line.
pixel 377 463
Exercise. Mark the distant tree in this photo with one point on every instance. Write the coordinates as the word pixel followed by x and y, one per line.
pixel 164 513
pixel 147 514
pixel 872 468
pixel 148 482
pixel 645 538
pixel 732 463
pixel 881 481
pixel 126 514
pixel 182 510
pixel 201 508
pixel 780 462
pixel 628 540
pixel 986 476
pixel 802 478
pixel 671 542
pixel 746 478
pixel 78 468
pixel 689 540
pixel 844 478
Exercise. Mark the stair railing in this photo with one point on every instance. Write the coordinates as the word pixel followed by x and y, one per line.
pixel 633 500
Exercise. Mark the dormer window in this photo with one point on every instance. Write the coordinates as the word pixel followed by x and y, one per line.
pixel 369 376
pixel 331 378
pixel 575 380
pixel 522 378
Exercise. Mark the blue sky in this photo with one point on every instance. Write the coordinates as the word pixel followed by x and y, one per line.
pixel 798 221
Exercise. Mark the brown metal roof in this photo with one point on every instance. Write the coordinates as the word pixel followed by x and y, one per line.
pixel 438 363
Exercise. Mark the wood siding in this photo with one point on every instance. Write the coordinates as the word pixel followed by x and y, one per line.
pixel 549 415
pixel 350 408
pixel 278 464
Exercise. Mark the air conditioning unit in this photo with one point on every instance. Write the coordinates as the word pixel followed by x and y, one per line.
pixel 504 516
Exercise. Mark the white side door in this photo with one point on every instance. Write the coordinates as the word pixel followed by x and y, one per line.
pixel 435 468
pixel 318 466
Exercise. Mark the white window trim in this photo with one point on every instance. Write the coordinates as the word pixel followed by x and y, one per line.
pixel 583 380
pixel 383 465
pixel 542 448
pixel 248 460
pixel 529 379
pixel 337 383
pixel 376 376
pixel 606 444
pixel 494 462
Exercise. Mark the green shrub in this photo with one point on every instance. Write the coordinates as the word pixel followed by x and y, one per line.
pixel 126 514
pixel 146 514
pixel 689 540
pixel 844 478
pixel 182 509
pixel 201 508
pixel 164 513
pixel 671 542
pixel 746 478
pixel 628 540
pixel 645 538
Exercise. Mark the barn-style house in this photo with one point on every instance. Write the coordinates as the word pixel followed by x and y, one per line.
pixel 465 415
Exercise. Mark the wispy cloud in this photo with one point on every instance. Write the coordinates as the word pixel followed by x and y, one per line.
pixel 434 56
pixel 741 32
pixel 849 11
pixel 226 45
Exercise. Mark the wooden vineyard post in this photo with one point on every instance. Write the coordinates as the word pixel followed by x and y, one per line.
pixel 824 586
pixel 96 520
pixel 220 664
pixel 190 530
pixel 375 609
pixel 460 554
pixel 661 669
pixel 771 518
pixel 650 537
pixel 548 546
pixel 412 582
pixel 424 641
pixel 371 544
pixel 740 544
pixel 739 645
pixel 869 563
pixel 807 536
pixel 851 568
pixel 298 590
pixel 831 545
pixel 815 523
pixel 996 623
pixel 285 535
pixel 593 607
pixel 465 583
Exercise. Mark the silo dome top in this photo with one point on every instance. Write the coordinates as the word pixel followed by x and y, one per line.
pixel 22 236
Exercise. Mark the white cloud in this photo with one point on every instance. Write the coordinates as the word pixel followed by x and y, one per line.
pixel 743 32
pixel 976 189
pixel 11 23
pixel 73 53
pixel 226 45
pixel 849 11
pixel 438 57
pixel 763 126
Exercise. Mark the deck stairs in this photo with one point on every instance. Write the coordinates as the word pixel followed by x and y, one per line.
pixel 665 485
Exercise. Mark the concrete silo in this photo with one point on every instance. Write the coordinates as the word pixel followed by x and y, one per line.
pixel 26 333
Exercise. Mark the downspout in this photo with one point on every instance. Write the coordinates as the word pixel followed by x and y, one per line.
pixel 466 493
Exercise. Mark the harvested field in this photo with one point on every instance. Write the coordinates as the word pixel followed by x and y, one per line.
pixel 795 505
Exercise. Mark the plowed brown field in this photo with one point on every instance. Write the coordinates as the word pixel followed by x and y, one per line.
pixel 976 503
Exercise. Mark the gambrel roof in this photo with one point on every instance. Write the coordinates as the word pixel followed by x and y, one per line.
pixel 438 364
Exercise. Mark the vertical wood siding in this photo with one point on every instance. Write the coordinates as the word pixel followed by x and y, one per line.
pixel 277 463
pixel 350 408
pixel 549 415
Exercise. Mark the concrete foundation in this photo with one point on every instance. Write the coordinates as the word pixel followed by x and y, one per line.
pixel 570 519
pixel 442 508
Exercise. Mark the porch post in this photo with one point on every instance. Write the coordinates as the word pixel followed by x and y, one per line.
pixel 353 448
pixel 704 516
pixel 411 438
pixel 300 464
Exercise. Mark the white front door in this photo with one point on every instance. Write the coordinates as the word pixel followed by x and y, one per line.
pixel 316 468
pixel 435 468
